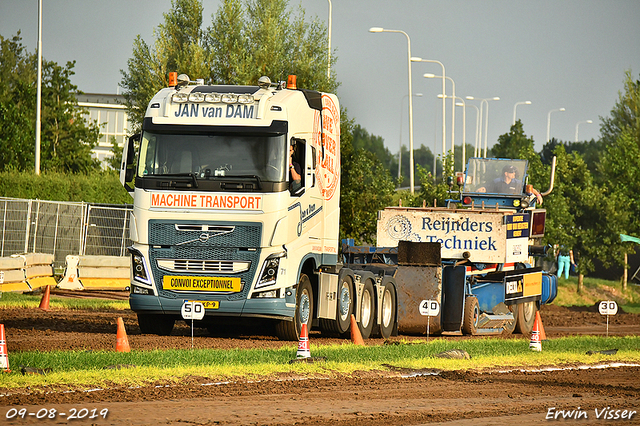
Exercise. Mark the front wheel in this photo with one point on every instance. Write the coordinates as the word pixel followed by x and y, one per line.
pixel 290 330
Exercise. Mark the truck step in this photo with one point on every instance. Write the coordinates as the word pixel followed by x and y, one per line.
pixel 491 321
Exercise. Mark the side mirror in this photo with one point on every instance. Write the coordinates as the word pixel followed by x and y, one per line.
pixel 127 166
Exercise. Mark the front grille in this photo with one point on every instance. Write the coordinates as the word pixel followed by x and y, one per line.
pixel 177 249
pixel 204 266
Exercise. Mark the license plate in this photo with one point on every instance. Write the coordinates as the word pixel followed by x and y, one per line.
pixel 210 284
pixel 208 304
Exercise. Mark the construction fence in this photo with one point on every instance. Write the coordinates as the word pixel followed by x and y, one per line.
pixel 63 228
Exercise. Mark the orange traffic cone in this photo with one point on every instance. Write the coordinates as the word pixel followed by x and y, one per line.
pixel 4 353
pixel 543 335
pixel 356 336
pixel 122 343
pixel 535 344
pixel 44 303
pixel 303 343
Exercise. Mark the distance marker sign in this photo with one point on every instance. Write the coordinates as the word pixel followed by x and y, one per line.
pixel 192 310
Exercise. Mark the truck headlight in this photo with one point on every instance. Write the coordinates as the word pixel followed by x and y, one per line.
pixel 139 267
pixel 269 272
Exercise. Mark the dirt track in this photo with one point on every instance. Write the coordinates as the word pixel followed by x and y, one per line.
pixel 396 398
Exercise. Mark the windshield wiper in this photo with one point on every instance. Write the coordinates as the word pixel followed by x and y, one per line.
pixel 231 177
pixel 192 176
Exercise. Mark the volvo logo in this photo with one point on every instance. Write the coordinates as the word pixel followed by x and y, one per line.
pixel 203 238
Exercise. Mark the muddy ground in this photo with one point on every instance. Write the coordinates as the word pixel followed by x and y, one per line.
pixel 398 397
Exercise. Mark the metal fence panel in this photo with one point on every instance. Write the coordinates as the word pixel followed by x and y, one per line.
pixel 107 231
pixel 63 228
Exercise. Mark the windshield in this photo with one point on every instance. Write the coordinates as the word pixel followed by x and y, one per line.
pixel 495 176
pixel 212 156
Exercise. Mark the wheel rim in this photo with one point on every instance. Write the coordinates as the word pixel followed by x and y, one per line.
pixel 386 308
pixel 304 307
pixel 366 309
pixel 476 315
pixel 345 301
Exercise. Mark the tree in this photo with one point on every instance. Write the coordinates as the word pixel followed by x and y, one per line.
pixel 178 46
pixel 243 43
pixel 366 187
pixel 513 144
pixel 374 144
pixel 625 115
pixel 66 137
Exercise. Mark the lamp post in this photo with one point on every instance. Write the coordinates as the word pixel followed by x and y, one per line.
pixel 453 107
pixel 578 123
pixel 514 108
pixel 475 152
pixel 39 89
pixel 329 41
pixel 382 30
pixel 400 147
pixel 484 101
pixel 549 120
pixel 444 92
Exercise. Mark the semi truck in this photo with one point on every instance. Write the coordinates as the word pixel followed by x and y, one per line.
pixel 236 195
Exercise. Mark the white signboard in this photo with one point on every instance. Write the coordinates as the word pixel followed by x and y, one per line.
pixel 482 234
pixel 608 307
pixel 429 308
pixel 192 310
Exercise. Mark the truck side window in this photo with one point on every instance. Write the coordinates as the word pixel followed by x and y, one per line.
pixel 296 166
pixel 313 166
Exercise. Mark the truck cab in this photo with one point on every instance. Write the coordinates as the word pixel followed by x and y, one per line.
pixel 217 217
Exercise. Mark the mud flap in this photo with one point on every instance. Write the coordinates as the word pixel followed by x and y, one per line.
pixel 453 278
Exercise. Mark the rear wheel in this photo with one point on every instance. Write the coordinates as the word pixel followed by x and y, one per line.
pixel 158 324
pixel 526 317
pixel 387 311
pixel 471 316
pixel 367 309
pixel 290 330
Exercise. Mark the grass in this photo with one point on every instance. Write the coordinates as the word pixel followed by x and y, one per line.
pixel 19 300
pixel 87 369
pixel 596 290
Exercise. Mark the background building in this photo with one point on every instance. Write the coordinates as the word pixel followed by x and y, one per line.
pixel 110 113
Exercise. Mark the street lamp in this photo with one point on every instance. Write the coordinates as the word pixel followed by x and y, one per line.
pixel 39 90
pixel 453 108
pixel 400 148
pixel 578 123
pixel 475 152
pixel 382 30
pixel 484 101
pixel 444 92
pixel 329 48
pixel 514 108
pixel 549 120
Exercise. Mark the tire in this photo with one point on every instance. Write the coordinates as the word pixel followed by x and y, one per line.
pixel 342 323
pixel 158 324
pixel 509 327
pixel 526 317
pixel 290 330
pixel 471 316
pixel 367 308
pixel 387 310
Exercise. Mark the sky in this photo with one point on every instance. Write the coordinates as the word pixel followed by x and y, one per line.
pixel 569 54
